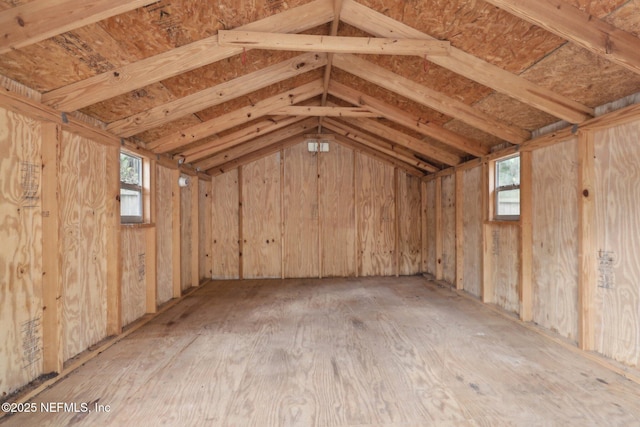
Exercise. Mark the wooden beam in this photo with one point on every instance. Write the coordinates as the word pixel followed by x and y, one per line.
pixel 240 225
pixel 572 24
pixel 180 60
pixel 459 229
pixel 526 237
pixel 151 252
pixel 333 44
pixel 241 150
pixel 420 147
pixel 414 123
pixel 39 20
pixel 238 117
pixel 114 247
pixel 337 9
pixel 376 154
pixel 196 235
pixel 433 99
pixel 238 137
pixel 470 66
pixel 52 355
pixel 423 227
pixel 390 149
pixel 217 95
pixel 396 222
pixel 488 287
pixel 176 236
pixel 587 246
pixel 439 232
pixel 327 111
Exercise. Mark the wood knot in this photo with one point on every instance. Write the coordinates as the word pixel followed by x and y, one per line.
pixel 20 21
pixel 585 193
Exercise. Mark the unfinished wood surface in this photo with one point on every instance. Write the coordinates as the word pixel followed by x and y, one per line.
pixel 555 238
pixel 449 228
pixel 375 196
pixel 336 205
pixel 204 239
pixel 187 239
pixel 431 227
pixel 617 172
pixel 21 358
pixel 409 222
pixel 83 182
pixel 505 265
pixel 164 230
pixel 472 224
pixel 385 352
pixel 134 263
pixel 261 231
pixel 300 203
pixel 224 225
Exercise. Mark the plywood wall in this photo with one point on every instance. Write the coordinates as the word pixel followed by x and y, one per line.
pixel 187 240
pixel 337 214
pixel 449 228
pixel 164 230
pixel 83 252
pixel 431 227
pixel 204 228
pixel 409 212
pixel 224 226
pixel 261 209
pixel 20 251
pixel 472 230
pixel 617 199
pixel 505 264
pixel 375 199
pixel 555 238
pixel 300 216
pixel 134 262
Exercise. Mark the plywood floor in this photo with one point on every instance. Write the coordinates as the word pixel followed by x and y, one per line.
pixel 339 352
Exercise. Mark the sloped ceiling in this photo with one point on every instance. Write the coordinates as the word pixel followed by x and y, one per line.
pixel 155 72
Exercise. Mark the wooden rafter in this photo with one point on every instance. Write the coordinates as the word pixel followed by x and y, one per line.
pixel 387 148
pixel 332 44
pixel 337 10
pixel 184 137
pixel 430 98
pixel 414 123
pixel 185 58
pixel 217 94
pixel 33 22
pixel 470 66
pixel 326 111
pixel 581 28
pixel 243 135
pixel 247 148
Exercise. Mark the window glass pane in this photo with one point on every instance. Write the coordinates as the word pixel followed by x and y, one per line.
pixel 508 172
pixel 508 202
pixel 130 203
pixel 130 169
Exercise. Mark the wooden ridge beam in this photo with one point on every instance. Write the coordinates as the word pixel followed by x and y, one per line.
pixel 238 137
pixel 470 66
pixel 217 94
pixel 393 150
pixel 39 20
pixel 224 158
pixel 572 24
pixel 414 123
pixel 337 9
pixel 327 111
pixel 180 60
pixel 184 137
pixel 433 99
pixel 377 154
pixel 333 44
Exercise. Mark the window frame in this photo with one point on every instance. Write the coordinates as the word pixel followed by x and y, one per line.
pixel 134 219
pixel 497 189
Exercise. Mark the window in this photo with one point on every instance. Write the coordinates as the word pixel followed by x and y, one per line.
pixel 507 189
pixel 130 188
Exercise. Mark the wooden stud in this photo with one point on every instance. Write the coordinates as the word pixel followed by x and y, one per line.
pixel 51 281
pixel 176 234
pixel 423 225
pixel 195 231
pixel 358 258
pixel 150 176
pixel 282 208
pixel 587 249
pixel 319 211
pixel 240 227
pixel 114 248
pixel 459 230
pixel 487 242
pixel 439 236
pixel 526 237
